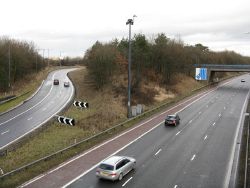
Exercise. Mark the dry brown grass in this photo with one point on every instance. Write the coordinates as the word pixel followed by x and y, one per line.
pixel 107 106
pixel 29 83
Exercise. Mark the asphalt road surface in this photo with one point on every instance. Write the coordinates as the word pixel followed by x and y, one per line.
pixel 197 153
pixel 49 100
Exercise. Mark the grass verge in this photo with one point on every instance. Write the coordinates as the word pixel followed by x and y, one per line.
pixel 25 88
pixel 89 122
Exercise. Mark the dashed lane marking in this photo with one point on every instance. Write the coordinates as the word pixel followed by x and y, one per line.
pixel 178 133
pixel 5 132
pixel 193 157
pixel 127 181
pixel 205 137
pixel 158 152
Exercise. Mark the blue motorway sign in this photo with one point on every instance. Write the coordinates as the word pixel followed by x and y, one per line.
pixel 201 74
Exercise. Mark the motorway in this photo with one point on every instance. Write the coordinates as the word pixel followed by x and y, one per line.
pixel 197 153
pixel 48 101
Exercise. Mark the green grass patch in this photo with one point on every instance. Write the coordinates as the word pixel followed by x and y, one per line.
pixel 105 111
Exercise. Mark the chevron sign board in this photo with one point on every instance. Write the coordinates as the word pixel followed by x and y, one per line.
pixel 201 74
pixel 81 104
pixel 66 120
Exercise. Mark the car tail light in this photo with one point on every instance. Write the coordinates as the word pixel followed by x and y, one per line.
pixel 113 174
pixel 174 121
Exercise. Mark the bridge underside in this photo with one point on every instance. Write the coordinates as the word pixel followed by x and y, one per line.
pixel 211 72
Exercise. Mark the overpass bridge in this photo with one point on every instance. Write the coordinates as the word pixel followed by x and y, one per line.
pixel 211 69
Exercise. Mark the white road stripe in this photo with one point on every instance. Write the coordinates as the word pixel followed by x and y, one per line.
pixel 193 157
pixel 202 95
pixel 175 186
pixel 214 124
pixel 220 115
pixel 29 108
pixel 72 92
pixel 199 112
pixel 190 121
pixel 44 109
pixel 224 108
pixel 158 152
pixel 30 118
pixel 178 133
pixel 205 137
pixel 5 132
pixel 127 181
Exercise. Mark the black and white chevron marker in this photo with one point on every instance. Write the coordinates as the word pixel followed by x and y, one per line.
pixel 66 120
pixel 81 104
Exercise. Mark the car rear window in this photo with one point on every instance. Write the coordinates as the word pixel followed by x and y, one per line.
pixel 171 117
pixel 106 167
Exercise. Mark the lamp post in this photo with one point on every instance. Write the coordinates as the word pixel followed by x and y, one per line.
pixel 9 64
pixel 129 22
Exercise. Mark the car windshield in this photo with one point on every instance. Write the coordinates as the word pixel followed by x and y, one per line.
pixel 170 117
pixel 106 167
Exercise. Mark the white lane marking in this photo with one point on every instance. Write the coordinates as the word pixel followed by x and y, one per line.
pixel 205 93
pixel 230 164
pixel 214 124
pixel 193 157
pixel 127 181
pixel 190 121
pixel 44 109
pixel 31 107
pixel 5 132
pixel 175 186
pixel 219 114
pixel 72 92
pixel 199 112
pixel 158 152
pixel 207 106
pixel 224 108
pixel 178 133
pixel 205 137
pixel 29 118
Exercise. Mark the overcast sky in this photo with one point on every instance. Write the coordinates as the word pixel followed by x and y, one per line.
pixel 73 26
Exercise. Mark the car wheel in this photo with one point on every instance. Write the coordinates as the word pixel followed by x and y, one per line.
pixel 120 177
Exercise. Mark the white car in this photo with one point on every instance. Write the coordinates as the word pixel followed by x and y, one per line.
pixel 115 167
pixel 66 84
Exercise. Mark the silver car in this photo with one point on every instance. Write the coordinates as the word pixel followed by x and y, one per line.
pixel 115 167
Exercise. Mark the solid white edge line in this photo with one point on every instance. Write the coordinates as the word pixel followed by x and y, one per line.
pixel 29 108
pixel 78 177
pixel 73 89
pixel 158 152
pixel 230 164
pixel 127 181
pixel 205 93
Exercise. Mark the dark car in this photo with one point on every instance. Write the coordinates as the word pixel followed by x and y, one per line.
pixel 172 120
pixel 56 82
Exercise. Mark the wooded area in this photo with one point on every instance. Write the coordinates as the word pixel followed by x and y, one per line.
pixel 17 59
pixel 157 59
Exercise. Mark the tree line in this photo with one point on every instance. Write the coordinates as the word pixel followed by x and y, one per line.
pixel 17 59
pixel 157 59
